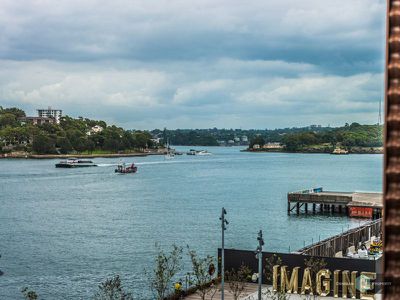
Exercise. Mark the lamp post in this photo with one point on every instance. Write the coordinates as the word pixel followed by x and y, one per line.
pixel 224 222
pixel 259 256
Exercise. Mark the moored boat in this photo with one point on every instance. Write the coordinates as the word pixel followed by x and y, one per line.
pixel 75 163
pixel 203 153
pixel 170 152
pixel 191 152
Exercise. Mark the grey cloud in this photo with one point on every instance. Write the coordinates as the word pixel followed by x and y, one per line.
pixel 203 63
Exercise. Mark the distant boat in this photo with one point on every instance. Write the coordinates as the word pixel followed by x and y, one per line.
pixel 170 154
pixel 123 169
pixel 75 163
pixel 191 152
pixel 198 152
pixel 203 153
pixel 339 151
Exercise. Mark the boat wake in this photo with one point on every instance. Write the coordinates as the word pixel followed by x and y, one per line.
pixel 107 165
pixel 162 162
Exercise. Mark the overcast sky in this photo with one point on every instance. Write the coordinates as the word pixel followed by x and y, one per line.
pixel 195 64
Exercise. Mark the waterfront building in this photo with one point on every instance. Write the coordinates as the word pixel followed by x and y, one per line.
pixel 37 120
pixel 272 146
pixel 50 113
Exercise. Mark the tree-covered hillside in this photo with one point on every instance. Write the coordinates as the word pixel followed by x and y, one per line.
pixel 70 136
pixel 348 137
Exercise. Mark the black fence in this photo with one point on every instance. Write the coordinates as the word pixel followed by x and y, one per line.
pixel 342 241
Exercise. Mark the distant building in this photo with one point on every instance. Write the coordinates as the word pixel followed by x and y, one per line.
pixel 37 120
pixel 50 113
pixel 156 140
pixel 256 146
pixel 95 129
pixel 236 139
pixel 245 139
pixel 272 146
pixel 221 142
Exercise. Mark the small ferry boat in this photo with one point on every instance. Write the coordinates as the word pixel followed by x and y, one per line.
pixel 123 169
pixel 75 163
pixel 339 151
pixel 198 152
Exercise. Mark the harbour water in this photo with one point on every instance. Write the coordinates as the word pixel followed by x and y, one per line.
pixel 63 231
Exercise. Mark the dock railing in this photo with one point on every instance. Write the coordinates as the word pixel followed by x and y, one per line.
pixel 341 242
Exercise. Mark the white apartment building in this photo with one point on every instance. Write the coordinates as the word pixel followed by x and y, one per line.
pixel 50 113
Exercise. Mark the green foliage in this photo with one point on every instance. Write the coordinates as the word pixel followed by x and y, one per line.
pixel 112 289
pixel 237 280
pixel 258 140
pixel 64 145
pixel 43 144
pixel 202 277
pixel 18 113
pixel 7 119
pixel 167 265
pixel 29 294
pixel 70 136
pixel 354 135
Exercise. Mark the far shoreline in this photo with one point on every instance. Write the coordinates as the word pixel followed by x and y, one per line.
pixel 66 156
pixel 311 151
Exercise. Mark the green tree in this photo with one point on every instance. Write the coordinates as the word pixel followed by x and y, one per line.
pixel 90 145
pixel 43 144
pixel 64 144
pixel 7 119
pixel 140 140
pixel 29 294
pixel 77 139
pixel 237 280
pixel 18 113
pixel 112 289
pixel 167 265
pixel 258 140
pixel 202 273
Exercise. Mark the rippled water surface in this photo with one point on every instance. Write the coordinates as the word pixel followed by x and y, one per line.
pixel 62 231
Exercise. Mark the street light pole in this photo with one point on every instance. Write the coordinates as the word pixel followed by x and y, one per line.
pixel 224 222
pixel 259 256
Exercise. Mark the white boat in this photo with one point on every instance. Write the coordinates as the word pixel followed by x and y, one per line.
pixel 170 154
pixel 203 153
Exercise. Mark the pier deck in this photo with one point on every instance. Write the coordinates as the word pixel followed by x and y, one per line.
pixel 354 204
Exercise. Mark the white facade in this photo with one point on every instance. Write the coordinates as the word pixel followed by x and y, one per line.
pixel 50 113
pixel 95 129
